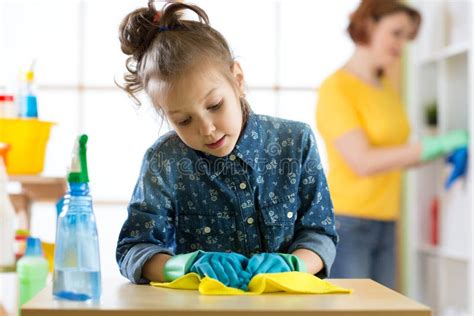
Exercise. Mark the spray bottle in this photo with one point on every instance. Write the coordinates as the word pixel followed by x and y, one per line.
pixel 76 259
pixel 28 99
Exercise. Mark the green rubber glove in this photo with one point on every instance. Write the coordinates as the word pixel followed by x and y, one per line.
pixel 226 267
pixel 434 146
pixel 274 263
pixel 295 263
pixel 179 265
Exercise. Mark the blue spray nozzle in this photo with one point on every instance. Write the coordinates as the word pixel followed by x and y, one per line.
pixel 33 247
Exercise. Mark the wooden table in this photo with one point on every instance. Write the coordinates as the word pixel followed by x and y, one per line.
pixel 119 297
pixel 35 189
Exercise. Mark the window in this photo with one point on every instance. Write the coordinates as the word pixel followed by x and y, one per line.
pixel 286 48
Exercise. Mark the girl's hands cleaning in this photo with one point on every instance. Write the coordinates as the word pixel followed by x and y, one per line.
pixel 227 267
pixel 230 268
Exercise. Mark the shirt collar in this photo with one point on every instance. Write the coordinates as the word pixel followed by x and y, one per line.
pixel 247 148
pixel 248 145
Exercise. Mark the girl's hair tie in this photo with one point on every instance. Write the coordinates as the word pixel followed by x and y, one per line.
pixel 157 17
pixel 156 20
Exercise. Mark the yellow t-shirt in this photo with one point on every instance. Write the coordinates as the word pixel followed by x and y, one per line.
pixel 347 103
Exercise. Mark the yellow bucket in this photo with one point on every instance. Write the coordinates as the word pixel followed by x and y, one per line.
pixel 27 139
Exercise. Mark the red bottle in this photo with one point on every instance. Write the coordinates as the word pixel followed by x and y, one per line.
pixel 434 222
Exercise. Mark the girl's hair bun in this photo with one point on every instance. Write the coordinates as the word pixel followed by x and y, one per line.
pixel 162 44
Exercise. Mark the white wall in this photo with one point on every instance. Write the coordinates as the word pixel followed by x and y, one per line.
pixel 290 43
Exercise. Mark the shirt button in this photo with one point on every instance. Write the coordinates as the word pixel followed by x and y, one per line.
pixel 289 214
pixel 232 157
pixel 207 230
pixel 250 220
pixel 243 186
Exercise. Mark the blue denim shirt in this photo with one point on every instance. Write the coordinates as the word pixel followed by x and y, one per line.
pixel 268 195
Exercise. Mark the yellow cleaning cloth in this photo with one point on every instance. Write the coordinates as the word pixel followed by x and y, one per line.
pixel 288 282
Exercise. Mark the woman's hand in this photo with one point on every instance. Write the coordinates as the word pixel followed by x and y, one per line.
pixel 435 146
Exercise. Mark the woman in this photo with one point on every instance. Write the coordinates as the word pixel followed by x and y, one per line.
pixel 365 128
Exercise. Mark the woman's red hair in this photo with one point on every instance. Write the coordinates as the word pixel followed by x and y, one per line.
pixel 375 10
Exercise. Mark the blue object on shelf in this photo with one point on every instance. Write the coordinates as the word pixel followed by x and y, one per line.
pixel 28 100
pixel 29 106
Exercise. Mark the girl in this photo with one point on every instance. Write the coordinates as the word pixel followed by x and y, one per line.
pixel 228 189
pixel 365 128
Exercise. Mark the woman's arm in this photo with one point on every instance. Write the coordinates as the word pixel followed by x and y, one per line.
pixel 366 160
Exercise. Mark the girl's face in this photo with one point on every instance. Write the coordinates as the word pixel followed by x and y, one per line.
pixel 388 37
pixel 204 109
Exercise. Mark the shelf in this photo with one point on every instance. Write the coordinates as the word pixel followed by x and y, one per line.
pixel 438 71
pixel 438 251
pixel 445 53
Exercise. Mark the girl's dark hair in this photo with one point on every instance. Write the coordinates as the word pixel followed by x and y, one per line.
pixel 162 46
pixel 375 10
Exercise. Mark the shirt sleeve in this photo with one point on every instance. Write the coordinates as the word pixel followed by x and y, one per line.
pixel 336 114
pixel 149 227
pixel 315 226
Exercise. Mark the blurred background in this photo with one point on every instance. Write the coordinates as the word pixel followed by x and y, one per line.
pixel 286 48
